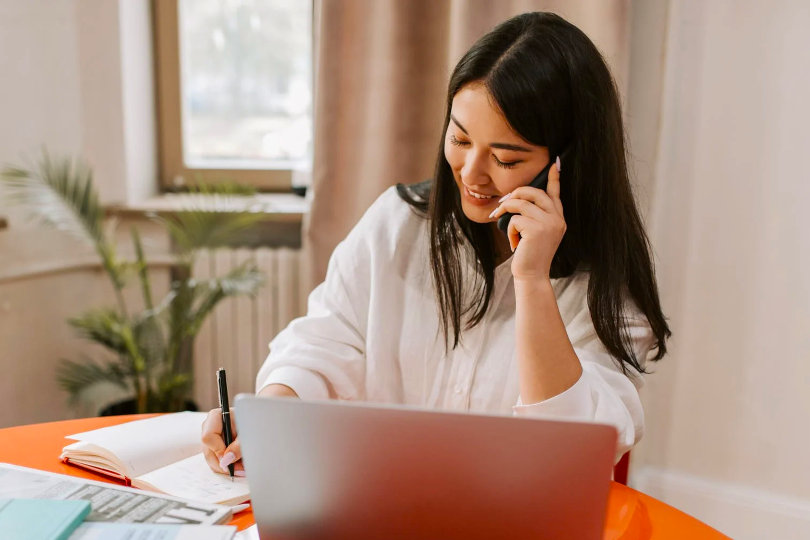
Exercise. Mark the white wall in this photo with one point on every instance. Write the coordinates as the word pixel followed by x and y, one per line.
pixel 78 78
pixel 642 99
pixel 728 410
pixel 117 89
pixel 39 97
pixel 73 72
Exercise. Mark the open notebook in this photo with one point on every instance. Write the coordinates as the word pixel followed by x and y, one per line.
pixel 162 454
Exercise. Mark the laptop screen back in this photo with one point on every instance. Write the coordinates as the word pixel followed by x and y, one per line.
pixel 339 470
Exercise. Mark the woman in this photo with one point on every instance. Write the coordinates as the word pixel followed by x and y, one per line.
pixel 428 303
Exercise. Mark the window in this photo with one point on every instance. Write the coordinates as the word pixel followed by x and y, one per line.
pixel 234 83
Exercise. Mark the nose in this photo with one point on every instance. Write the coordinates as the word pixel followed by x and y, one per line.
pixel 474 172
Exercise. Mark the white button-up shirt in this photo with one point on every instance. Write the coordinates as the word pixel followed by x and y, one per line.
pixel 372 333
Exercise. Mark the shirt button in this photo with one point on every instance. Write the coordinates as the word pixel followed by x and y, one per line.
pixel 459 390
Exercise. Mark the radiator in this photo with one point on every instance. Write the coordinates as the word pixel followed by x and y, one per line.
pixel 235 336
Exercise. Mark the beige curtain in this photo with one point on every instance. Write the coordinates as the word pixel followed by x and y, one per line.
pixel 382 68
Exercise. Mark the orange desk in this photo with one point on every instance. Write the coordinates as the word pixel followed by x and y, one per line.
pixel 631 515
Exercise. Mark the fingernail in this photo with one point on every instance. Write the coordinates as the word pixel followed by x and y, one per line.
pixel 239 472
pixel 493 213
pixel 504 198
pixel 559 167
pixel 227 459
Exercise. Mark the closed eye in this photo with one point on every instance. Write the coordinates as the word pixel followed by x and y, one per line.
pixel 503 164
pixel 457 142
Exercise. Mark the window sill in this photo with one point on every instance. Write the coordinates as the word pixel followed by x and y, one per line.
pixel 280 225
pixel 278 207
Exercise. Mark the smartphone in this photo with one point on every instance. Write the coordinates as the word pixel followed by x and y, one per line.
pixel 540 181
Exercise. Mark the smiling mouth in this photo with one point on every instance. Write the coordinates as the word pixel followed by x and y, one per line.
pixel 478 195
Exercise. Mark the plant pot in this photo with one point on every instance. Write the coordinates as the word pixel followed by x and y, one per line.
pixel 129 406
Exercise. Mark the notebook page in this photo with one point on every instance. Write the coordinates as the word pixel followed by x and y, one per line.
pixel 193 479
pixel 146 445
pixel 94 456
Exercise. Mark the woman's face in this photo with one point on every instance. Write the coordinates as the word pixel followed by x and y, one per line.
pixel 487 157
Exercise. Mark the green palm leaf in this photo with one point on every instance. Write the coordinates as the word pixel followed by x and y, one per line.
pixel 149 339
pixel 213 218
pixel 199 229
pixel 142 268
pixel 59 192
pixel 151 349
pixel 76 376
pixel 113 330
pixel 245 279
pixel 105 326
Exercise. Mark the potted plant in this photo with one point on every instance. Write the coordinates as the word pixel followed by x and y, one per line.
pixel 149 350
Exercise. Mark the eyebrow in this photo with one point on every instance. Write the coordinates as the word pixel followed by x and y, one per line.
pixel 503 146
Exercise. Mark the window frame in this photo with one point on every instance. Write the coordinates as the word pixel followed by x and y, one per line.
pixel 173 173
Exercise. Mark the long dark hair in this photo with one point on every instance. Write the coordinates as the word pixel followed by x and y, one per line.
pixel 555 90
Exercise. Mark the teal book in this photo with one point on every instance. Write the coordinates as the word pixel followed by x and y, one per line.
pixel 40 519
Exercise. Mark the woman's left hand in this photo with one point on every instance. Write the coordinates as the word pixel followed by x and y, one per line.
pixel 536 229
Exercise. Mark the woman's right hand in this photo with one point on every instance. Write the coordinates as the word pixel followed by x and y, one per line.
pixel 217 455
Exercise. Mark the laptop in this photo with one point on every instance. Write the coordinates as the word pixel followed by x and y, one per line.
pixel 356 471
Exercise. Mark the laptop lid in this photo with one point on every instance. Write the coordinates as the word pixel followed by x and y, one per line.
pixel 359 471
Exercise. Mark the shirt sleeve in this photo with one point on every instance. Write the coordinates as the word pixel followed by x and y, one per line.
pixel 322 354
pixel 603 394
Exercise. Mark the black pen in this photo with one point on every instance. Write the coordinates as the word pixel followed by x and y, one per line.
pixel 222 384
